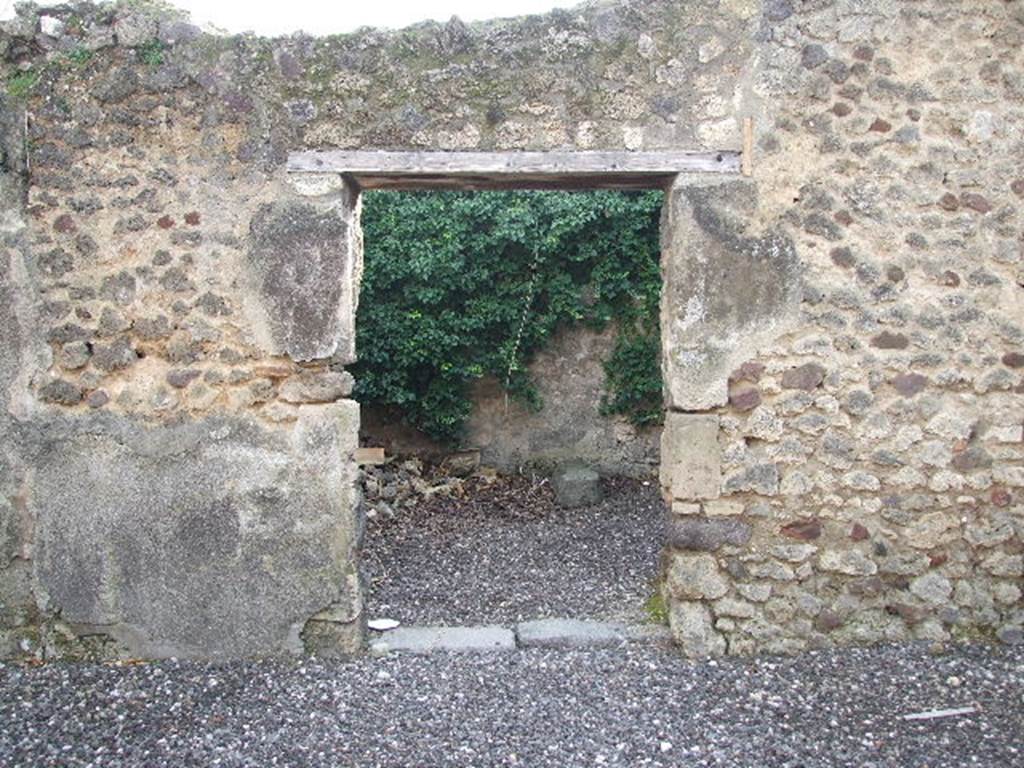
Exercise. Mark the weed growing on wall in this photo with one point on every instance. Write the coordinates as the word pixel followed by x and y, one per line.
pixel 151 53
pixel 19 84
pixel 458 286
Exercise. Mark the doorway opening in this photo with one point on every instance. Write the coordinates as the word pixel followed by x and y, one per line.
pixel 699 347
pixel 508 368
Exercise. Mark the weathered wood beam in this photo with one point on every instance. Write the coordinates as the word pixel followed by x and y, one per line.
pixel 508 170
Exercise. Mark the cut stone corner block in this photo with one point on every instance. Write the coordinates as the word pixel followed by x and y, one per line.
pixel 339 631
pixel 726 290
pixel 693 630
pixel 318 184
pixel 690 457
pixel 303 268
pixel 691 580
pixel 694 576
pixel 333 639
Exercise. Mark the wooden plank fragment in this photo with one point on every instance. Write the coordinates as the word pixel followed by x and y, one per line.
pixel 503 170
pixel 370 456
pixel 747 162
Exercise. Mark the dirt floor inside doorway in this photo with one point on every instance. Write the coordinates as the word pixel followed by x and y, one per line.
pixel 492 548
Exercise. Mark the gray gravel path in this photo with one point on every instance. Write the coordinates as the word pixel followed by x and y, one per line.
pixel 637 706
pixel 508 554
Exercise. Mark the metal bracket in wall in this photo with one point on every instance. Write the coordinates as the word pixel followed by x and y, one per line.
pixel 503 170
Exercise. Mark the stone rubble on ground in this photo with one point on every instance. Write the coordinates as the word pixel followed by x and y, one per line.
pixel 402 483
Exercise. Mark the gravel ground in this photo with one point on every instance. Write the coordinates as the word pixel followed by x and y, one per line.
pixel 504 552
pixel 638 706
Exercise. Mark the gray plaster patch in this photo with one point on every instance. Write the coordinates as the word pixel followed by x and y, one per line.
pixel 217 538
pixel 21 353
pixel 9 350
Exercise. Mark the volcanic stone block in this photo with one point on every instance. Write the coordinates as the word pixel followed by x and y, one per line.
pixel 707 534
pixel 305 262
pixel 690 456
pixel 576 485
pixel 726 291
pixel 693 630
pixel 218 538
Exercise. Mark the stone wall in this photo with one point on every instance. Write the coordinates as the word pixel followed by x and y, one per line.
pixel 866 475
pixel 18 610
pixel 843 330
pixel 569 376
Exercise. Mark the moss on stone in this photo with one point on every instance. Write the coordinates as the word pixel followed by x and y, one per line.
pixel 656 609
pixel 20 85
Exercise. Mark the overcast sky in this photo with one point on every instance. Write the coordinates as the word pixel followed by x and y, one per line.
pixel 320 17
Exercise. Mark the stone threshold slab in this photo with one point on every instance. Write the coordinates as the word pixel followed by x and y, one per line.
pixel 569 633
pixel 561 634
pixel 430 639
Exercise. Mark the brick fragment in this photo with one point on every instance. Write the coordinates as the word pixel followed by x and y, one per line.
pixel 802 530
pixel 859 533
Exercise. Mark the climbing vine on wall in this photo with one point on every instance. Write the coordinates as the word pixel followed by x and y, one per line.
pixel 462 285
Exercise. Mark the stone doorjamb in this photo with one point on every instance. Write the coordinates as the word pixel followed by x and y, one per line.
pixel 726 289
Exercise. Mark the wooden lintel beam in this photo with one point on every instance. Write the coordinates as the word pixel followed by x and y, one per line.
pixel 497 170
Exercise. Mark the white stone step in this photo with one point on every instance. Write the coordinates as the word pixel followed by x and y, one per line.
pixel 541 633
pixel 430 639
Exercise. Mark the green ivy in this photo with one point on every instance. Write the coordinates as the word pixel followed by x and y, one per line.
pixel 459 285
pixel 633 376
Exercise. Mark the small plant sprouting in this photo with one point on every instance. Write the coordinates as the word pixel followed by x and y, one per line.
pixel 74 25
pixel 152 53
pixel 20 84
pixel 79 57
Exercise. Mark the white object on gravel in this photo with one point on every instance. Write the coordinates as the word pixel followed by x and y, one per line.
pixel 382 625
pixel 932 714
